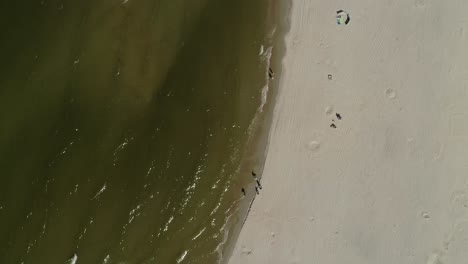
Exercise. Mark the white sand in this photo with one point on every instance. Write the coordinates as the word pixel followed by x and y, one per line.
pixel 390 183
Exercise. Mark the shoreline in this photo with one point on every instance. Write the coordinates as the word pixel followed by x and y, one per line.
pixel 255 156
pixel 374 188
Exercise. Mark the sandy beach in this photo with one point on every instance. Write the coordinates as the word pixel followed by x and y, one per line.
pixel 389 184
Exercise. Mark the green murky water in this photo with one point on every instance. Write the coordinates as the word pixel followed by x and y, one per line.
pixel 123 125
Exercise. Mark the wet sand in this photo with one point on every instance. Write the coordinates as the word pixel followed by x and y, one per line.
pixel 387 184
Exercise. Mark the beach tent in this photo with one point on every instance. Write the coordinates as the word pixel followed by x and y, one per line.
pixel 342 18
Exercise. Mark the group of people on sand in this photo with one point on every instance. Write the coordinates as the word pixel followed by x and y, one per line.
pixel 258 185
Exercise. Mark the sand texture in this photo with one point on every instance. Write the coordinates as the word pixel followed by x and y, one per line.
pixel 389 184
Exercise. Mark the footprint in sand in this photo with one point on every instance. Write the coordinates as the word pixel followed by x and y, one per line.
pixel 420 3
pixel 313 146
pixel 246 251
pixel 434 258
pixel 460 200
pixel 296 40
pixel 390 93
pixel 425 215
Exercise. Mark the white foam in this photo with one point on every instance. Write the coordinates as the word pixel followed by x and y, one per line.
pixel 166 227
pixel 132 214
pixel 265 57
pixel 73 259
pixel 100 191
pixel 219 249
pixel 199 233
pixel 264 97
pixel 181 258
pixel 119 149
pixel 44 226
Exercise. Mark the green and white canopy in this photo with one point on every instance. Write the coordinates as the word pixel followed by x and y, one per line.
pixel 342 18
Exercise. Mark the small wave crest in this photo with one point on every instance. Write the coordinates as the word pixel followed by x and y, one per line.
pixel 182 256
pixel 72 260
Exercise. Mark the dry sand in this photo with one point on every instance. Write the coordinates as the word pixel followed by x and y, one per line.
pixel 390 183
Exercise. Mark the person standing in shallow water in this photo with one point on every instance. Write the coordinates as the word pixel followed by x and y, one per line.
pixel 271 74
